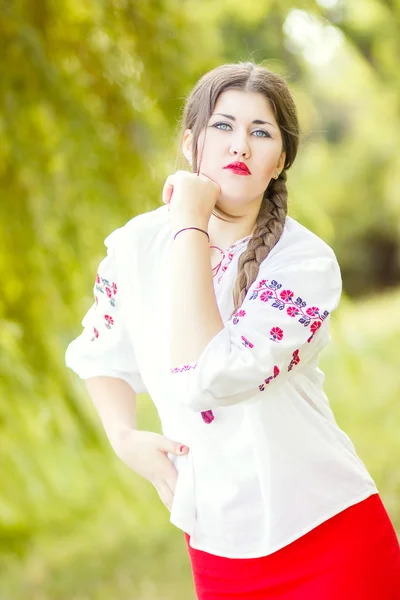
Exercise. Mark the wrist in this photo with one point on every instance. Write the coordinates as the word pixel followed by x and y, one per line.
pixel 118 436
pixel 182 231
pixel 189 220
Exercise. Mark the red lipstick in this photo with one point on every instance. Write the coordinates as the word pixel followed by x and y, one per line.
pixel 240 168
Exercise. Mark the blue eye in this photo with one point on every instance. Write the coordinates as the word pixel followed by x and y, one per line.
pixel 262 131
pixel 216 125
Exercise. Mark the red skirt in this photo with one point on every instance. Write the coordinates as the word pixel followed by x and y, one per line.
pixel 354 555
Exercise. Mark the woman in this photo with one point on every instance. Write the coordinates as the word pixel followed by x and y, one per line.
pixel 271 495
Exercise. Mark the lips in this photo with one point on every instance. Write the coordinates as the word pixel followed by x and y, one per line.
pixel 239 167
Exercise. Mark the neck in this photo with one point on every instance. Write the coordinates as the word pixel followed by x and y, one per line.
pixel 223 234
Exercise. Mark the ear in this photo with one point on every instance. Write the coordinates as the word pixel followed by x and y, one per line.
pixel 281 162
pixel 187 143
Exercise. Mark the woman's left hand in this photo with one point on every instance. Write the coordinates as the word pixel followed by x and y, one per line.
pixel 190 197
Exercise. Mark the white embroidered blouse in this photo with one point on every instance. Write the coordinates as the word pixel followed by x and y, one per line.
pixel 267 460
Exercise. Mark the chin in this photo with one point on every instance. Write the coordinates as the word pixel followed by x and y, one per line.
pixel 237 195
pixel 231 202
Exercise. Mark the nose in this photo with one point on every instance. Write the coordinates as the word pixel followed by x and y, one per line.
pixel 240 148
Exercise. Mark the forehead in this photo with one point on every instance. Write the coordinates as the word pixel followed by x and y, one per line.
pixel 245 105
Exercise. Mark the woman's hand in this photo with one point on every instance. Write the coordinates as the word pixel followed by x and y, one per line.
pixel 145 453
pixel 190 197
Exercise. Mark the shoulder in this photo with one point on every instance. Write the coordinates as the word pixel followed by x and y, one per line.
pixel 298 243
pixel 300 250
pixel 141 227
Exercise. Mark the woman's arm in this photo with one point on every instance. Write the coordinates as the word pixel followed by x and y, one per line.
pixel 115 402
pixel 144 452
pixel 261 345
pixel 195 318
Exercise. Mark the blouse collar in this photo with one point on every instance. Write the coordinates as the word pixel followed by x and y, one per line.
pixel 235 245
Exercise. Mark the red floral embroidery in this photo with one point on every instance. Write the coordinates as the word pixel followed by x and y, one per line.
pixel 246 342
pixel 276 334
pixel 109 321
pixel 286 295
pixel 184 368
pixel 237 315
pixel 226 265
pixel 295 360
pixel 296 307
pixel 219 265
pixel 261 283
pixel 314 327
pixel 266 381
pixel 265 296
pixel 226 254
pixel 104 286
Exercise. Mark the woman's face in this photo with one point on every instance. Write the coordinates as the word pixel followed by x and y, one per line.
pixel 242 128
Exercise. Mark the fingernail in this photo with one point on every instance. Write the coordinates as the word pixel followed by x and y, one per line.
pixel 182 449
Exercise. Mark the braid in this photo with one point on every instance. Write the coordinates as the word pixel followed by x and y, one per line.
pixel 269 226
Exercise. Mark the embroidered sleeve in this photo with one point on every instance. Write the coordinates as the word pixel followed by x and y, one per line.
pixel 104 347
pixel 276 328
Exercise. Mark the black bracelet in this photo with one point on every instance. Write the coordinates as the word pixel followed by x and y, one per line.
pixel 198 229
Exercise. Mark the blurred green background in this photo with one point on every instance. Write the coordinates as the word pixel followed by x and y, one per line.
pixel 91 95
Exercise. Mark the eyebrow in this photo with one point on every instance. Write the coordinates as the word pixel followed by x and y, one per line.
pixel 256 121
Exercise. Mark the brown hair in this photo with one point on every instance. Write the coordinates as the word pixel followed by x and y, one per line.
pixel 249 77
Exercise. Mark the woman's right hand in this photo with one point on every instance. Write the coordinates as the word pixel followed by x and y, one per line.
pixel 145 453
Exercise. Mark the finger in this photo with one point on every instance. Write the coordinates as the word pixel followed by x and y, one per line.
pixel 167 193
pixel 165 494
pixel 174 447
pixel 168 189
